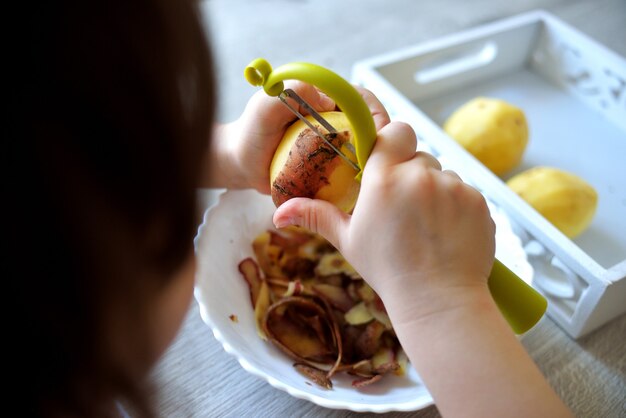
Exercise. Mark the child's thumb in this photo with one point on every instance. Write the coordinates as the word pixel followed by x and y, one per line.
pixel 315 215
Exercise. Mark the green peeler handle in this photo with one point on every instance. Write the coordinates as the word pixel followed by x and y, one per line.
pixel 520 304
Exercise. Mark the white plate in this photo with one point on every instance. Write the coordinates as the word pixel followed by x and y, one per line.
pixel 223 240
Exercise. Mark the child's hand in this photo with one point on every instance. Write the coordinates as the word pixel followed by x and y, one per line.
pixel 246 146
pixel 416 233
pixel 425 242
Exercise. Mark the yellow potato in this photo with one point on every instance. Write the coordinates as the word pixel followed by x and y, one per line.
pixel 304 166
pixel 563 198
pixel 492 130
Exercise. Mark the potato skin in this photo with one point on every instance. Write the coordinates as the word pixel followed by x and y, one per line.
pixel 307 167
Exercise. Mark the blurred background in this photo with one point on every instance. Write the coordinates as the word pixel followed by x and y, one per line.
pixel 337 33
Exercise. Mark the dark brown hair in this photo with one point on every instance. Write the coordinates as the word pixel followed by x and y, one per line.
pixel 112 118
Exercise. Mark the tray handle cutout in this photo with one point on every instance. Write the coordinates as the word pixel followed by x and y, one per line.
pixel 457 62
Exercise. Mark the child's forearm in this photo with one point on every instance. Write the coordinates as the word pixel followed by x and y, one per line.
pixel 474 366
pixel 220 171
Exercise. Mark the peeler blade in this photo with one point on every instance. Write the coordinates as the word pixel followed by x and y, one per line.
pixel 323 122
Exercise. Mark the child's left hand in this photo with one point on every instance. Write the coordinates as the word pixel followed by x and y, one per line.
pixel 242 151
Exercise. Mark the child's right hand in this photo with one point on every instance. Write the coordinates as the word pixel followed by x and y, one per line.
pixel 417 234
pixel 425 242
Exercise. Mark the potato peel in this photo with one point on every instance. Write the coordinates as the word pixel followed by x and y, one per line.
pixel 315 374
pixel 328 323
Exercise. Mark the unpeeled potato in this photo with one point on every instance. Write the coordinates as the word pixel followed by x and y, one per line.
pixel 492 130
pixel 305 166
pixel 563 198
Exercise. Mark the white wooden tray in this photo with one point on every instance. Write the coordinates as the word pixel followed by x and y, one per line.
pixel 573 91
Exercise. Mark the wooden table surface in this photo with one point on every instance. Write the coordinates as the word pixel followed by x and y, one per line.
pixel 196 377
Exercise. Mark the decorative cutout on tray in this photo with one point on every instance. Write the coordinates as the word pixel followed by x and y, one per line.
pixel 595 83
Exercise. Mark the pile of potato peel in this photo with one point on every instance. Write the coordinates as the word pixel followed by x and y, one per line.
pixel 312 305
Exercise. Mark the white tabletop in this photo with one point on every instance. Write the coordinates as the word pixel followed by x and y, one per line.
pixel 196 378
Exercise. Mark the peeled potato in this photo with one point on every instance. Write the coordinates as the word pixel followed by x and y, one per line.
pixel 492 130
pixel 563 198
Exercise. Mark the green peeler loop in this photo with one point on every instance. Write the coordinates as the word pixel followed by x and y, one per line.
pixel 259 73
pixel 520 304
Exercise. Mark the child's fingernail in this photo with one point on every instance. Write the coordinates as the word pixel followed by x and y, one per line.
pixel 283 221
